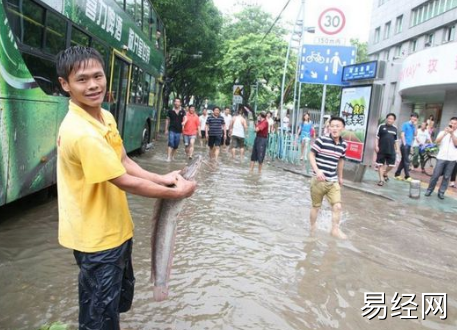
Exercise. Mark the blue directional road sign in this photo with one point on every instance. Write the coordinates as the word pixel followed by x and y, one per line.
pixel 322 64
pixel 360 71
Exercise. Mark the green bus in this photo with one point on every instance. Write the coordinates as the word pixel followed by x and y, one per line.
pixel 130 36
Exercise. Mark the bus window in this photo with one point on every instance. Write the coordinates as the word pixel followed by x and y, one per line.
pixel 44 73
pixel 151 92
pixel 102 49
pixel 133 8
pixel 120 3
pixel 134 84
pixel 26 19
pixel 79 38
pixel 55 33
pixel 141 87
pixel 147 19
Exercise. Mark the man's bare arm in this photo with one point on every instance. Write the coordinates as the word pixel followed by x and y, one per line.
pixel 146 188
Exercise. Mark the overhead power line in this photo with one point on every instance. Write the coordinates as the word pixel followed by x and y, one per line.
pixel 276 21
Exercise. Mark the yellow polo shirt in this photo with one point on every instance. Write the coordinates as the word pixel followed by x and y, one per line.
pixel 93 213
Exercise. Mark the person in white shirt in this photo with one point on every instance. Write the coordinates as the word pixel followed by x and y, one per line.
pixel 286 123
pixel 228 121
pixel 202 127
pixel 237 131
pixel 422 137
pixel 446 159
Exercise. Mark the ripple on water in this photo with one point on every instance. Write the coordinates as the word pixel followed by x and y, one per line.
pixel 244 260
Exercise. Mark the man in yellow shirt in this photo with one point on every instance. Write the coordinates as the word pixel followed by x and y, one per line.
pixel 93 174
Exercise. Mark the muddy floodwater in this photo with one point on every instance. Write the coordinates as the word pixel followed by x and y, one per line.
pixel 244 259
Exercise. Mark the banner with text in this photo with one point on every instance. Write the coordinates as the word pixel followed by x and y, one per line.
pixel 355 108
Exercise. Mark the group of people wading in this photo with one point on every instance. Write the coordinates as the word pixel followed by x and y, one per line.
pixel 216 130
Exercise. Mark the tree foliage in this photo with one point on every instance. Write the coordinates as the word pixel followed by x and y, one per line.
pixel 252 57
pixel 193 38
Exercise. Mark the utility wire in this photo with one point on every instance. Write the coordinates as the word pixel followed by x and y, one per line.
pixel 276 21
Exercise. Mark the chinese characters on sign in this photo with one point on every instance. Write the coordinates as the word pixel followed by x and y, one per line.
pixel 360 71
pixel 138 46
pixel 354 109
pixel 105 17
pixel 404 306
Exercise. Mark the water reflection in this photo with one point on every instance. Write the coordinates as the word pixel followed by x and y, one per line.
pixel 244 259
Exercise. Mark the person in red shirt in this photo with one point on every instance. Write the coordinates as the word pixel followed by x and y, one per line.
pixel 260 143
pixel 190 126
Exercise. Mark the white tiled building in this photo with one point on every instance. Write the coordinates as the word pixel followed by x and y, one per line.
pixel 417 39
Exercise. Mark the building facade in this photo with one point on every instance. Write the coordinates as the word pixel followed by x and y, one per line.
pixel 417 39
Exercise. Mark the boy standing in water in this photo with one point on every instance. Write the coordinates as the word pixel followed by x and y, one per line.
pixel 93 174
pixel 327 160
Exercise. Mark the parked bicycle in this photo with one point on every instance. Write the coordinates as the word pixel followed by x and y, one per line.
pixel 429 152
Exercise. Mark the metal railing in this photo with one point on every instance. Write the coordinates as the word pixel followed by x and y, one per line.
pixel 282 146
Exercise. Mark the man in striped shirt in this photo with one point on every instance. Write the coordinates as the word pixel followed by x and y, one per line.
pixel 327 160
pixel 215 131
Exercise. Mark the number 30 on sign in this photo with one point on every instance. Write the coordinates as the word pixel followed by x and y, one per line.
pixel 332 21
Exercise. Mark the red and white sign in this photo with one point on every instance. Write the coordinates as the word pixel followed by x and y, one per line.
pixel 332 21
pixel 431 66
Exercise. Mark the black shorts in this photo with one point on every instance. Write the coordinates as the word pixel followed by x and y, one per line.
pixel 226 140
pixel 203 133
pixel 382 159
pixel 214 141
pixel 106 286
pixel 259 149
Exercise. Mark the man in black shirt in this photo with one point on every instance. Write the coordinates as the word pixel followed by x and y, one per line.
pixel 386 147
pixel 173 127
pixel 215 131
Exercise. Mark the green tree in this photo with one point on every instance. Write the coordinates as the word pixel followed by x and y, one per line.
pixel 251 56
pixel 362 50
pixel 193 38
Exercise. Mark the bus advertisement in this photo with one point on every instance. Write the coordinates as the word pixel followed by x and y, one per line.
pixel 130 37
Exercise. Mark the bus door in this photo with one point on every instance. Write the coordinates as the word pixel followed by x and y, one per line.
pixel 119 86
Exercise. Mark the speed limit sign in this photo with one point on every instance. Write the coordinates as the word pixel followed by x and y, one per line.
pixel 332 21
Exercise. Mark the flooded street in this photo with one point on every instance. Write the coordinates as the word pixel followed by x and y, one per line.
pixel 244 259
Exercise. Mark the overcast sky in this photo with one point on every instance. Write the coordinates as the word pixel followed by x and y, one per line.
pixel 357 25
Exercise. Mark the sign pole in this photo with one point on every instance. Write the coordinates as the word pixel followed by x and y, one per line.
pixel 321 123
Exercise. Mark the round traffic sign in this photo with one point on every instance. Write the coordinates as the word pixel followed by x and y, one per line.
pixel 332 21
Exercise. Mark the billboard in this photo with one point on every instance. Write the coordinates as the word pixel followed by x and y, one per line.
pixel 355 109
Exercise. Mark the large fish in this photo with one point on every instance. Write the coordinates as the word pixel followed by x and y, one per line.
pixel 164 220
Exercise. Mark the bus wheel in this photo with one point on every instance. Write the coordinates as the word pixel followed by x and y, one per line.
pixel 145 138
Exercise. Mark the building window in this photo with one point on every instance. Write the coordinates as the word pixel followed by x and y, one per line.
pixel 387 54
pixel 377 34
pixel 431 9
pixel 429 40
pixel 449 34
pixel 413 46
pixel 387 30
pixel 399 24
pixel 397 51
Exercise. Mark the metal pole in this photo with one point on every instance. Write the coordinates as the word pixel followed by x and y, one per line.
pixel 321 123
pixel 299 113
pixel 256 96
pixel 286 62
